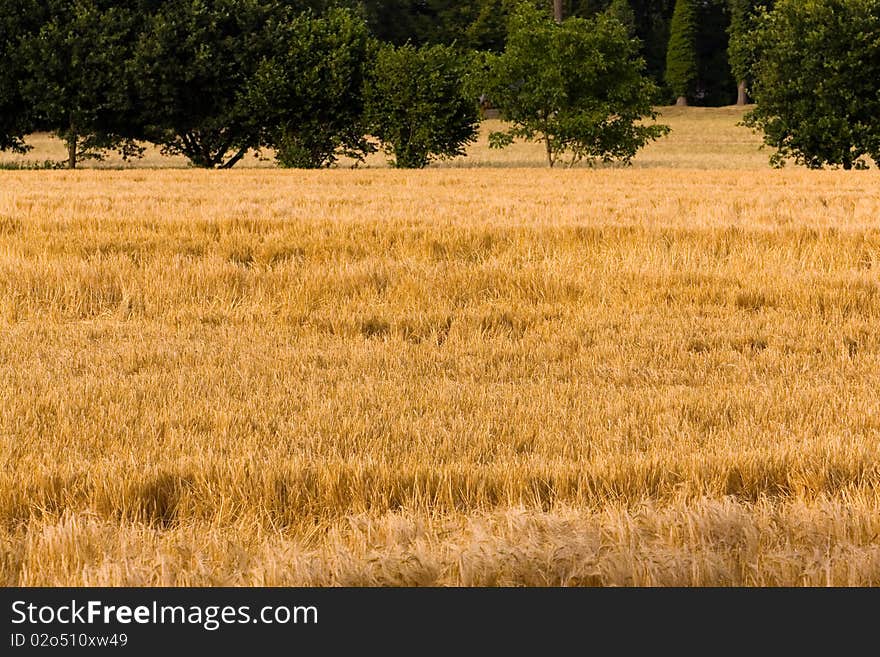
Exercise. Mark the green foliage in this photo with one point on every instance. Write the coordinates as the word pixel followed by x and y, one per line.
pixel 579 87
pixel 741 18
pixel 744 17
pixel 652 27
pixel 419 22
pixel 481 25
pixel 77 81
pixel 682 65
pixel 309 95
pixel 418 105
pixel 488 30
pixel 622 11
pixel 195 62
pixel 817 82
pixel 17 20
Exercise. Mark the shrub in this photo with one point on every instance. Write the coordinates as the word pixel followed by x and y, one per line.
pixel 417 104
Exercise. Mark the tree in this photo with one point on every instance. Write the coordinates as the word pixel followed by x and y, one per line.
pixel 195 62
pixel 19 19
pixel 622 11
pixel 481 25
pixel 744 15
pixel 309 95
pixel 578 86
pixel 682 66
pixel 417 104
pixel 817 82
pixel 488 30
pixel 739 28
pixel 77 82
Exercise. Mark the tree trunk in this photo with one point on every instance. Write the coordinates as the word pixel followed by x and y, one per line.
pixel 71 150
pixel 681 101
pixel 741 96
pixel 557 10
pixel 550 158
pixel 231 162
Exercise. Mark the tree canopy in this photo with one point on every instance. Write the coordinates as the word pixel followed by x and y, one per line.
pixel 195 61
pixel 579 87
pixel 817 82
pixel 315 80
pixel 309 93
pixel 681 55
pixel 18 20
pixel 77 82
pixel 418 104
pixel 742 53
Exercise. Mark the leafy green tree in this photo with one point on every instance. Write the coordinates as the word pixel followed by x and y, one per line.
pixel 418 104
pixel 579 87
pixel 195 61
pixel 744 15
pixel 682 65
pixel 309 95
pixel 76 77
pixel 817 82
pixel 18 20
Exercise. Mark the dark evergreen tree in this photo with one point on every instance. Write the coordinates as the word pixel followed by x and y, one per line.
pixel 682 65
pixel 715 83
pixel 488 31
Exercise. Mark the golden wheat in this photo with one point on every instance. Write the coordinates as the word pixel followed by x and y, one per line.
pixel 455 376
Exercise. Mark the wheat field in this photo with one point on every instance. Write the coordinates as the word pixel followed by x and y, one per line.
pixel 484 376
